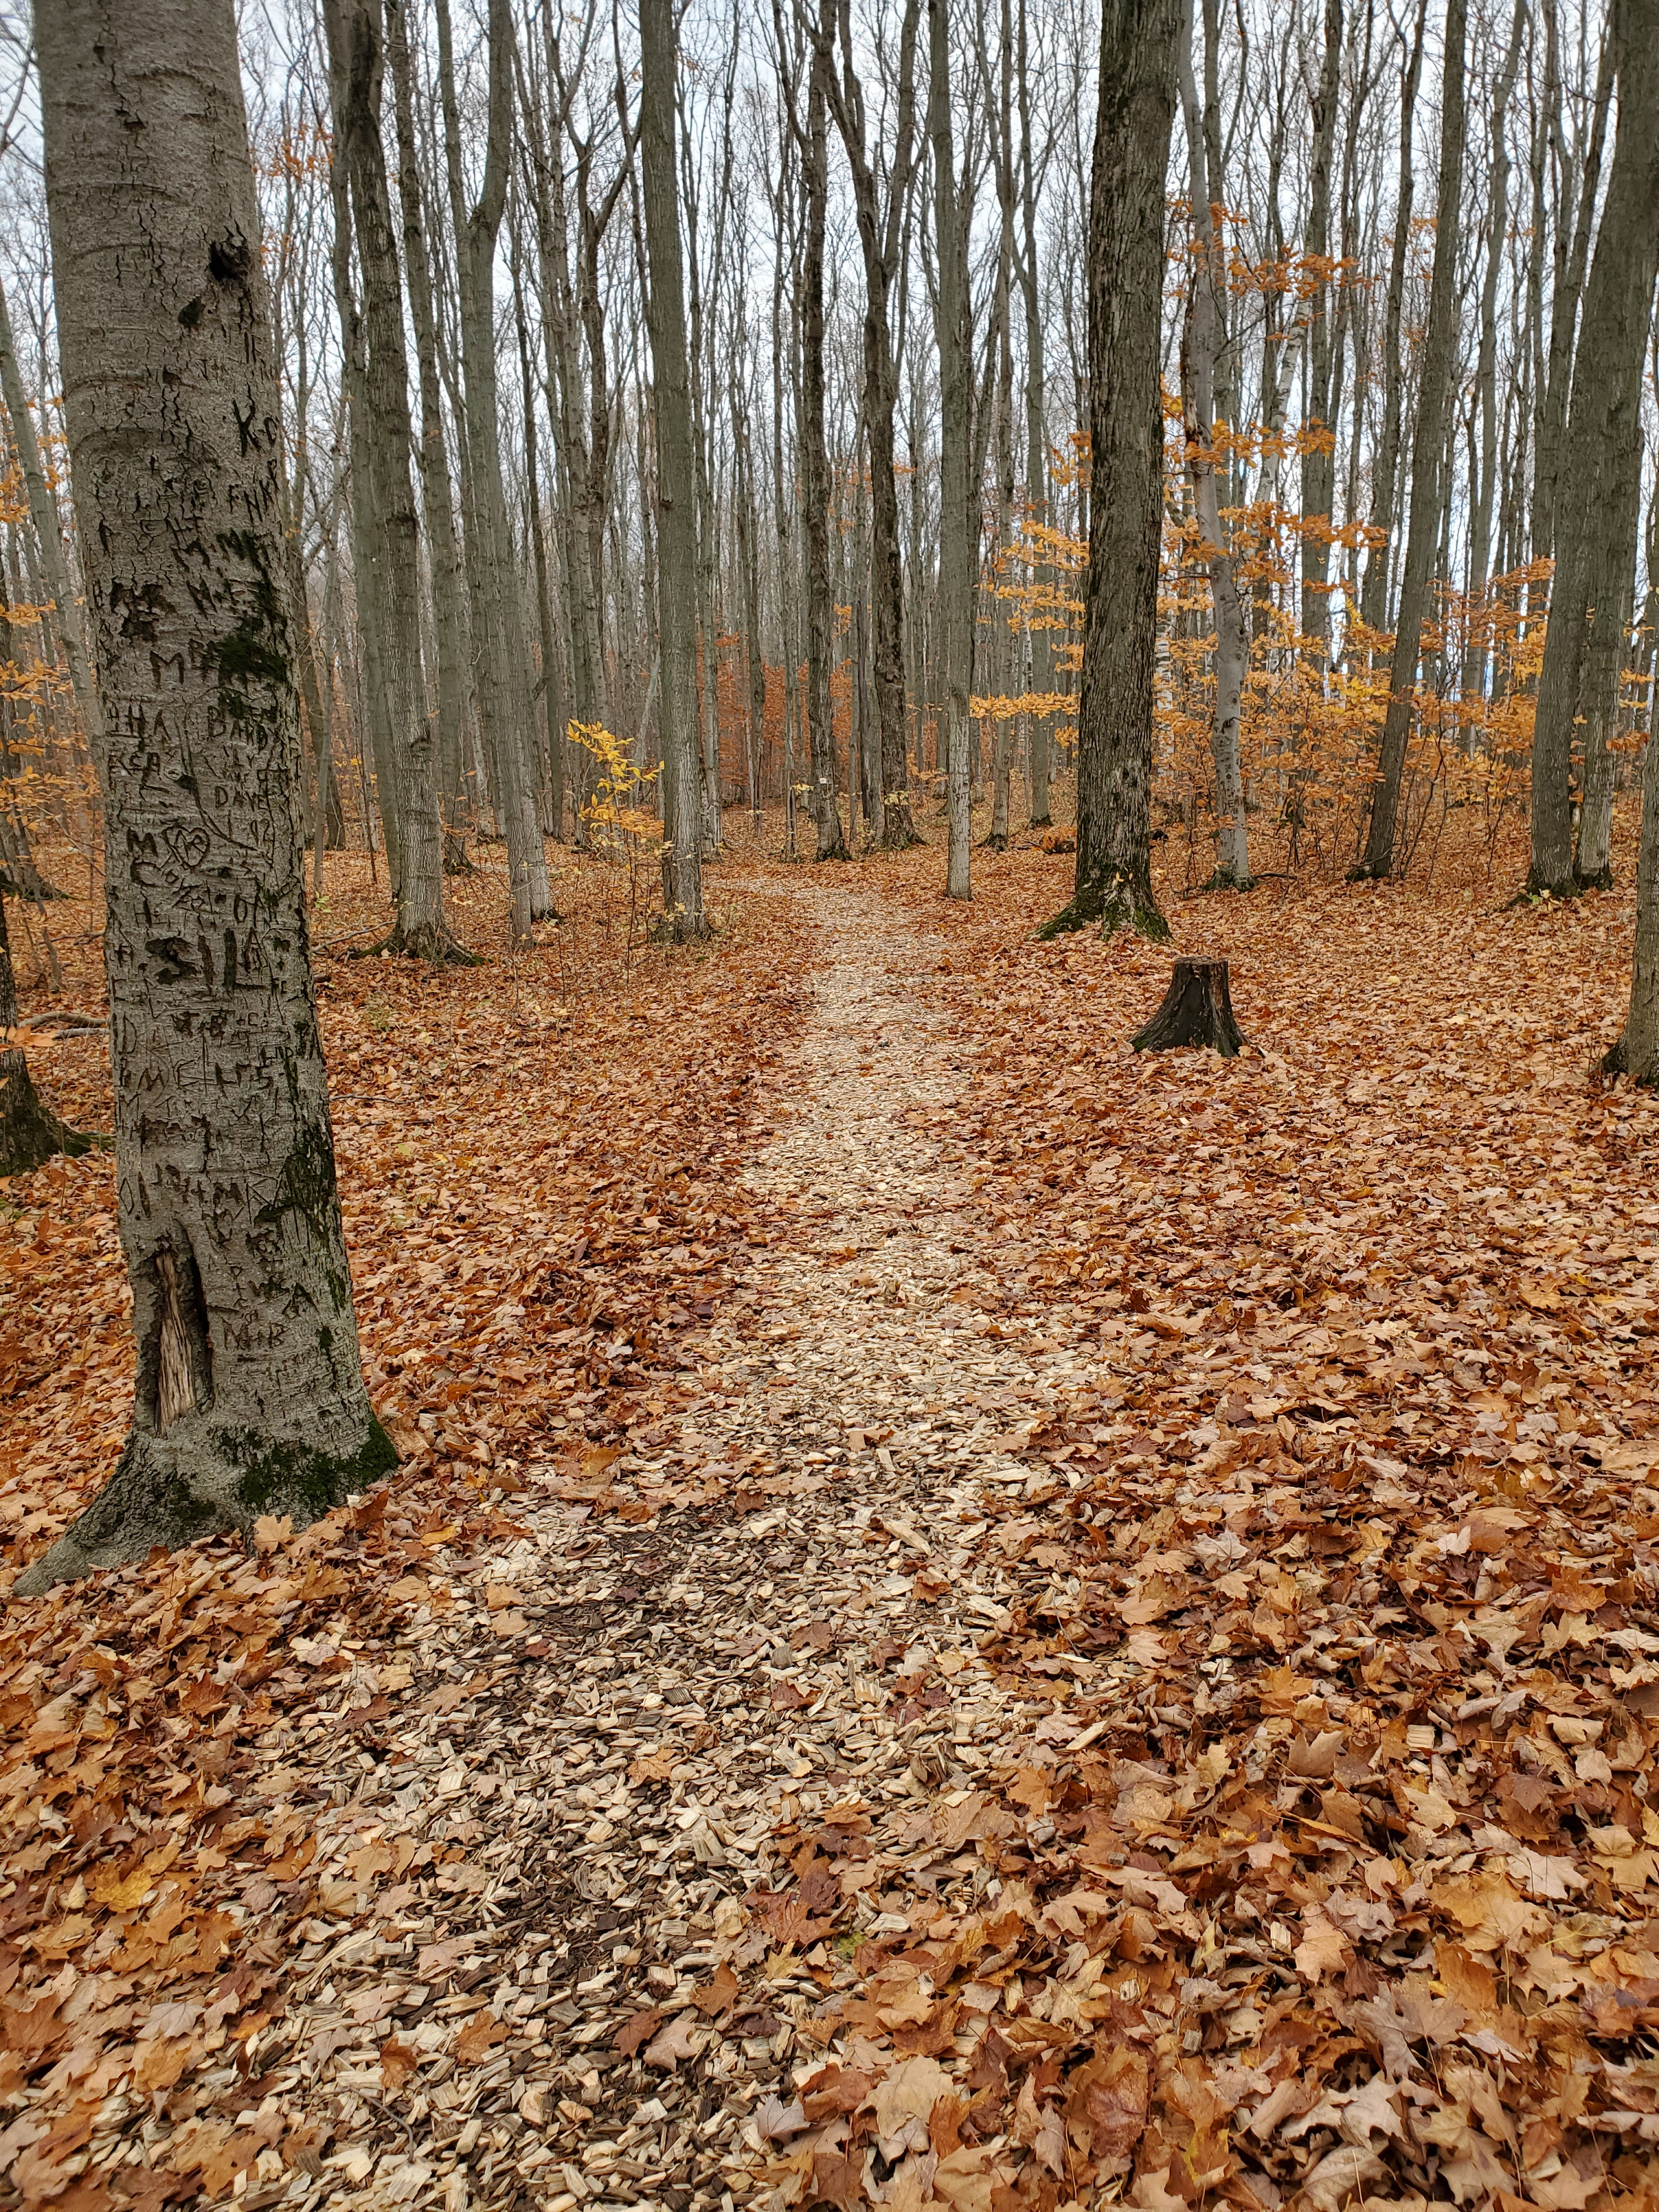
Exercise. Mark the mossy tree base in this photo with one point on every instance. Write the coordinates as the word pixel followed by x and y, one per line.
pixel 1225 880
pixel 29 1133
pixel 1197 1009
pixel 1600 880
pixel 1114 903
pixel 203 1478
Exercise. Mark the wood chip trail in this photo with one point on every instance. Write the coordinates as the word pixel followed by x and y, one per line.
pixel 683 1686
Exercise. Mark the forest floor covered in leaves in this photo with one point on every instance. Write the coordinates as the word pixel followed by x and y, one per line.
pixel 969 1620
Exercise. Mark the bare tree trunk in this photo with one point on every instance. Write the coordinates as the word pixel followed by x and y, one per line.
pixel 450 623
pixel 1636 1053
pixel 1039 639
pixel 1571 241
pixel 1385 466
pixel 1485 375
pixel 502 659
pixel 1138 42
pixel 676 500
pixel 1232 868
pixel 959 535
pixel 29 1131
pixel 1318 465
pixel 881 230
pixel 1595 520
pixel 815 476
pixel 1428 461
pixel 250 1396
pixel 391 538
pixel 43 510
pixel 748 566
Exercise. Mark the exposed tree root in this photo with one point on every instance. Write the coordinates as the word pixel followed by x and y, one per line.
pixel 427 941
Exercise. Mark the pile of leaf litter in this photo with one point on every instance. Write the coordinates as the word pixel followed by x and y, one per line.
pixel 1292 1843
pixel 1323 1864
pixel 215 1822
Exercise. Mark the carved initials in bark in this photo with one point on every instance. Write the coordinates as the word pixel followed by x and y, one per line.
pixel 1197 1009
pixel 249 1395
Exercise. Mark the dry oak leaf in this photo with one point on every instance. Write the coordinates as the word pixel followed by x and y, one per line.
pixel 1339 2179
pixel 1313 1758
pixel 966 2179
pixel 158 2065
pixel 680 2038
pixel 1320 1951
pixel 1108 2100
pixel 653 1766
pixel 908 2093
pixel 638 2029
pixel 483 2030
pixel 397 2062
pixel 717 1994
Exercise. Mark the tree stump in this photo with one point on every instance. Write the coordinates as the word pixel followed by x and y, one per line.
pixel 1197 1009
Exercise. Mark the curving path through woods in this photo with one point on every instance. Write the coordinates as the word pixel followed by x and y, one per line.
pixel 695 1687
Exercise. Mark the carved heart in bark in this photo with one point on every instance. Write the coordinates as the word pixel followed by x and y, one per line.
pixel 188 847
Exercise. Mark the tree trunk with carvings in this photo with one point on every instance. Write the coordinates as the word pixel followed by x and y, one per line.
pixel 250 1398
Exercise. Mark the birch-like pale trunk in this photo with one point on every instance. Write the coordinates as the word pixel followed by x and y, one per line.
pixel 1428 463
pixel 814 476
pixel 1039 638
pixel 880 229
pixel 450 613
pixel 1385 465
pixel 250 1397
pixel 1318 462
pixel 43 511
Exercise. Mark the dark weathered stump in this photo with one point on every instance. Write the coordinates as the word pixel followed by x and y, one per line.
pixel 1197 1009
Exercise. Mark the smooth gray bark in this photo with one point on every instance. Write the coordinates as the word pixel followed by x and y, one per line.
pixel 1232 868
pixel 676 495
pixel 960 523
pixel 390 536
pixel 501 661
pixel 1428 463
